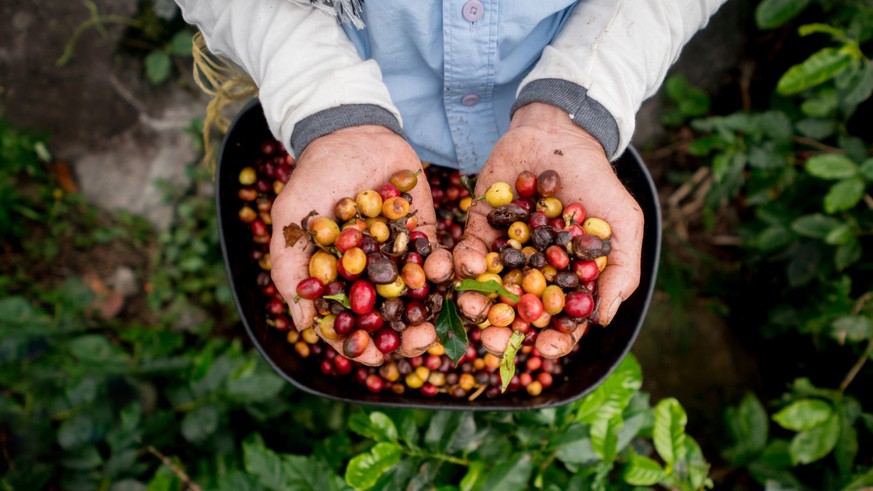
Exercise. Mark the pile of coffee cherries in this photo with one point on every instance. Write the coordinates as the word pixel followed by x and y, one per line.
pixel 549 256
pixel 373 301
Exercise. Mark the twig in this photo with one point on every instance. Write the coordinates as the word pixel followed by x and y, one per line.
pixel 685 189
pixel 869 200
pixel 727 240
pixel 817 144
pixel 747 69
pixel 96 21
pixel 859 305
pixel 178 471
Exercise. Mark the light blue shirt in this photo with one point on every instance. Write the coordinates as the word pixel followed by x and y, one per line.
pixel 453 67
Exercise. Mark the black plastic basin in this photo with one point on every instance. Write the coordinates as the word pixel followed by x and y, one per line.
pixel 600 350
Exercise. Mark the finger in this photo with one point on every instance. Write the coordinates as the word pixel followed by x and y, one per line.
pixel 496 339
pixel 290 266
pixel 371 356
pixel 417 339
pixel 438 266
pixel 552 343
pixel 469 256
pixel 622 274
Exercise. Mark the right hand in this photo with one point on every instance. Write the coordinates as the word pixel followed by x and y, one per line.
pixel 332 167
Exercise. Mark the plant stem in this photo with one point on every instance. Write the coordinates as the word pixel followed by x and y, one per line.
pixel 178 471
pixel 439 456
pixel 859 305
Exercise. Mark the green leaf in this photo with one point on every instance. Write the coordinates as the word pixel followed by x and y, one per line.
pixel 749 425
pixel 604 437
pixel 510 475
pixel 451 332
pixel 773 238
pixel 340 297
pixel 817 129
pixel 774 13
pixel 844 195
pixel 819 28
pixel 507 363
pixel 853 328
pixel 847 254
pixel 823 105
pixel 364 469
pixel 449 431
pixel 475 476
pixel 157 67
pixel 376 426
pixel 847 445
pixel 831 166
pixel 867 169
pixel 574 446
pixel 841 235
pixel 75 431
pixel 863 89
pixel 694 469
pixel 818 68
pixel 803 414
pixel 669 430
pixel 489 286
pixel 83 459
pixel 642 471
pixel 813 444
pixel 861 481
pixel 198 424
pixel 816 226
pixel 614 394
pixel 282 472
pixel 181 44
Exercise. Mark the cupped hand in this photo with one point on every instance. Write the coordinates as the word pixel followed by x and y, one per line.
pixel 338 165
pixel 543 137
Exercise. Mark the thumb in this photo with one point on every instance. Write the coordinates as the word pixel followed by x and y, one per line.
pixel 469 253
pixel 621 277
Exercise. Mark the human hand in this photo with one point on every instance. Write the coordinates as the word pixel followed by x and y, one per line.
pixel 332 167
pixel 543 137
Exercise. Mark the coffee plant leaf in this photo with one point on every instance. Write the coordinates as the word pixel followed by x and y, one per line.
pixel 450 431
pixel 376 426
pixel 511 475
pixel 831 166
pixel 773 13
pixel 669 430
pixel 200 423
pixel 822 66
pixel 614 394
pixel 804 414
pixel 813 444
pixel 861 481
pixel 867 169
pixel 604 437
pixel 181 44
pixel 157 67
pixel 574 446
pixel 822 105
pixel 815 226
pixel 863 89
pixel 365 469
pixel 475 476
pixel 816 128
pixel 848 254
pixel 846 448
pixel 748 425
pixel 642 471
pixel 852 328
pixel 844 195
pixel 451 332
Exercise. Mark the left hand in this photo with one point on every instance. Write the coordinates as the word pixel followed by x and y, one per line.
pixel 543 137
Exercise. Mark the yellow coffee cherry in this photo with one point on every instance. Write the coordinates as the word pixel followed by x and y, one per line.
pixel 302 349
pixel 437 350
pixel 413 381
pixel 514 243
pixel 492 362
pixel 326 327
pixel 293 336
pixel 369 203
pixel 553 299
pixel 493 262
pixel 598 227
pixel 465 203
pixel 513 276
pixel 422 372
pixel 550 273
pixel 248 176
pixel 393 289
pixel 466 381
pixel 600 262
pixel 309 335
pixel 324 230
pixel 484 277
pixel 543 321
pixel 499 194
pixel 354 261
pixel 528 251
pixel 551 207
pixel 323 266
pixel 519 231
pixel 380 232
pixel 534 282
pixel 394 208
pixel 501 315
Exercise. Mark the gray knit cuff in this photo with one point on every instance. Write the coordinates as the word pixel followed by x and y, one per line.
pixel 337 118
pixel 583 110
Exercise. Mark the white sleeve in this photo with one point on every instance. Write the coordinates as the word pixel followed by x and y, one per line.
pixel 299 57
pixel 620 51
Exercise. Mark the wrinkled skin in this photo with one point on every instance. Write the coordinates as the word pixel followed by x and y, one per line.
pixel 334 166
pixel 543 137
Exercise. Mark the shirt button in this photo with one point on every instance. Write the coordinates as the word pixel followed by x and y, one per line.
pixel 470 100
pixel 473 10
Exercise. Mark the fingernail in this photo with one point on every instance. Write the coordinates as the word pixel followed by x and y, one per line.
pixel 612 310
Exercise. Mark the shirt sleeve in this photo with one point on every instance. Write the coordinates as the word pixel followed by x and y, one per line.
pixel 608 58
pixel 310 78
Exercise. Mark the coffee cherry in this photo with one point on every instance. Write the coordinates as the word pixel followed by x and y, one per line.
pixel 574 213
pixel 413 275
pixel 324 230
pixel 354 261
pixel 598 227
pixel 310 288
pixel 519 231
pixel 348 239
pixel 586 270
pixel 501 315
pixel 344 323
pixel 512 258
pixel 387 340
pixel 557 257
pixel 345 209
pixel 552 208
pixel 526 184
pixel 498 194
pixel 394 208
pixel 548 183
pixel 369 203
pixel 374 383
pixel 564 324
pixel 248 176
pixel 529 307
pixel 404 180
pixel 513 288
pixel 589 247
pixel 534 282
pixel 388 190
pixel 371 321
pixel 323 266
pixel 567 280
pixel 579 304
pixel 362 297
pixel 392 290
pixel 415 313
pixel 356 343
